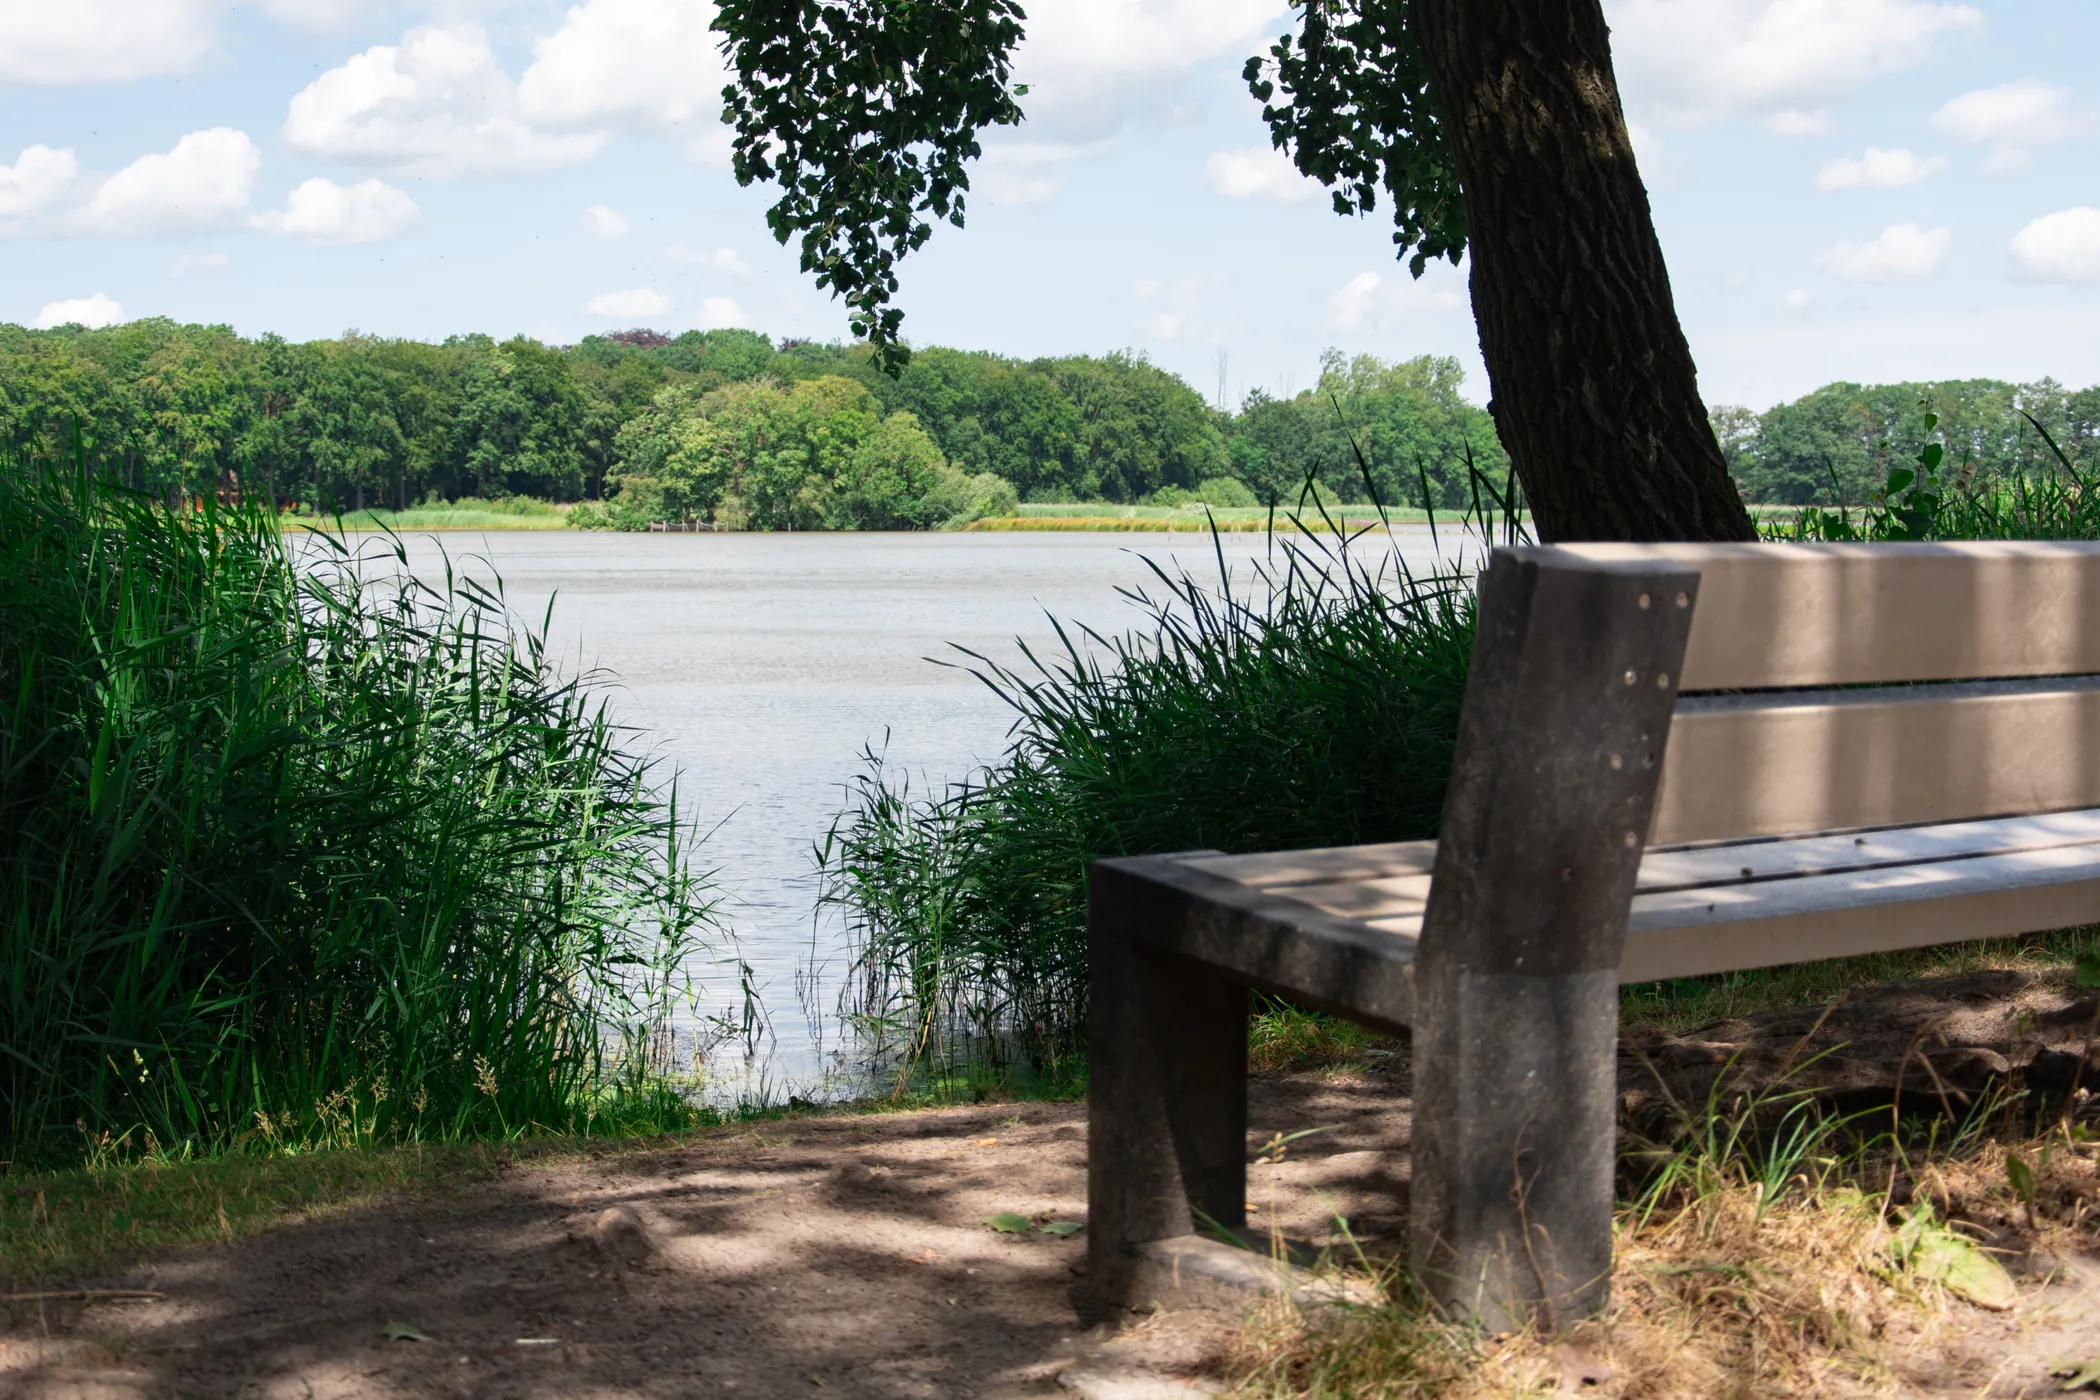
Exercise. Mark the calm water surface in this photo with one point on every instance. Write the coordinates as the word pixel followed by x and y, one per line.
pixel 760 666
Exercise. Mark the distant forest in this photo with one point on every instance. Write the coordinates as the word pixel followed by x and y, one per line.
pixel 729 425
pixel 361 421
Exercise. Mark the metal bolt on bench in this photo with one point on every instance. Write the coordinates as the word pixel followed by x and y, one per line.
pixel 1672 760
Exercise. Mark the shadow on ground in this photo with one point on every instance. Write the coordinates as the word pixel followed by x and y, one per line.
pixel 826 1256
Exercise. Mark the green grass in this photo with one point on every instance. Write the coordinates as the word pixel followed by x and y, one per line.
pixel 79 1221
pixel 289 855
pixel 467 513
pixel 1682 1003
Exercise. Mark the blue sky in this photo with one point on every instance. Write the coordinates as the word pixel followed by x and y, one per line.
pixel 1857 189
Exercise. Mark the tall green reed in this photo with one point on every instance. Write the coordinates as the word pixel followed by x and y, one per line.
pixel 1314 703
pixel 299 849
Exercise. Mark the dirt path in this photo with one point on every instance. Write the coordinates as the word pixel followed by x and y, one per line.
pixel 842 1256
pixel 831 1256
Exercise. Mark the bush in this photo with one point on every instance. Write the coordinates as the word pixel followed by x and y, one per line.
pixel 957 499
pixel 287 853
pixel 1322 710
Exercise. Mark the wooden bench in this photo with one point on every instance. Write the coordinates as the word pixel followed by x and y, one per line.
pixel 1672 760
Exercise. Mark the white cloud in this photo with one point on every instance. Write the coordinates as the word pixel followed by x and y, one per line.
pixel 628 304
pixel 326 214
pixel 53 42
pixel 203 183
pixel 2015 120
pixel 1370 302
pixel 318 16
pixel 437 104
pixel 2060 247
pixel 1013 172
pixel 723 314
pixel 1174 311
pixel 97 310
pixel 1797 301
pixel 1878 170
pixel 1902 253
pixel 1787 61
pixel 1091 65
pixel 713 149
pixel 1258 172
pixel 38 176
pixel 197 264
pixel 716 259
pixel 650 63
pixel 604 221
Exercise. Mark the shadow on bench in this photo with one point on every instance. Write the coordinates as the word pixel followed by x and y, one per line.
pixel 1672 760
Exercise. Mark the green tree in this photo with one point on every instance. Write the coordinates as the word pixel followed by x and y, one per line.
pixel 1495 129
pixel 522 426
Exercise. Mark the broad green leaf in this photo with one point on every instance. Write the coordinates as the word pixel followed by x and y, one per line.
pixel 1006 1222
pixel 1063 1227
pixel 402 1332
pixel 2082 1372
pixel 1936 1254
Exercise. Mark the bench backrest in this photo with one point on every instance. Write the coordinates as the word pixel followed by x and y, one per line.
pixel 1831 687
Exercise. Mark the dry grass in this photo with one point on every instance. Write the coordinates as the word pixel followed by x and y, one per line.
pixel 1728 1283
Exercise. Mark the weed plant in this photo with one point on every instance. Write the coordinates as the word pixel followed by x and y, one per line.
pixel 1316 704
pixel 1926 500
pixel 293 855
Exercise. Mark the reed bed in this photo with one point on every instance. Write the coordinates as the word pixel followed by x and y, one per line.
pixel 297 851
pixel 1313 704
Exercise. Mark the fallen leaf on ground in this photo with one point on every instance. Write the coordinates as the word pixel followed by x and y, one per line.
pixel 1936 1253
pixel 1063 1227
pixel 2082 1373
pixel 1007 1222
pixel 402 1332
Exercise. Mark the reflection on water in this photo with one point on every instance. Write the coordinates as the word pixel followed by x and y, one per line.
pixel 760 665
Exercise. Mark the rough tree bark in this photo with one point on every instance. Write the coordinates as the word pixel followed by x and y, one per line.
pixel 1594 391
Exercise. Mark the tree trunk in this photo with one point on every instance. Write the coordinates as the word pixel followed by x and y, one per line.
pixel 1595 394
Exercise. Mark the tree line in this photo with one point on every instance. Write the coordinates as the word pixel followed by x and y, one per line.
pixel 1837 445
pixel 720 423
pixel 729 425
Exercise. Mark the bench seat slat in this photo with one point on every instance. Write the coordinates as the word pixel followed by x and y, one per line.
pixel 1738 862
pixel 1684 933
pixel 1786 763
pixel 1696 911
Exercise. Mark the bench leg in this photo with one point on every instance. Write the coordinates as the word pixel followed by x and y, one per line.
pixel 1167 1103
pixel 1513 1144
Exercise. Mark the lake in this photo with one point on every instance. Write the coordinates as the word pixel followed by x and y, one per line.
pixel 761 665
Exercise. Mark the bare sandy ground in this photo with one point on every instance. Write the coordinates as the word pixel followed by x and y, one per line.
pixel 830 1256
pixel 823 1256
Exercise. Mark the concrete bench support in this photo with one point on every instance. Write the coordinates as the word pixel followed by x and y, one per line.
pixel 1561 740
pixel 1167 1100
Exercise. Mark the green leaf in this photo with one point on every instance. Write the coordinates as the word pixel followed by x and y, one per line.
pixel 2082 1373
pixel 1931 455
pixel 2089 969
pixel 402 1332
pixel 1063 1227
pixel 1006 1222
pixel 2022 1178
pixel 1934 1253
pixel 1900 477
